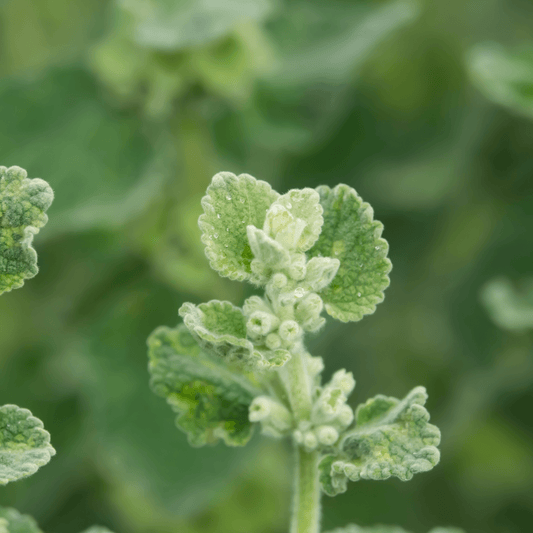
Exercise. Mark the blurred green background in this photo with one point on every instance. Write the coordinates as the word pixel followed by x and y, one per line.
pixel 128 107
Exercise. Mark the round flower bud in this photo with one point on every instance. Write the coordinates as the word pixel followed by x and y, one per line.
pixel 310 441
pixel 345 416
pixel 289 330
pixel 279 280
pixel 327 435
pixel 260 323
pixel 273 341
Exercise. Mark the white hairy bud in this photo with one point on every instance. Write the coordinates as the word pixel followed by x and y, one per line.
pixel 327 435
pixel 261 323
pixel 273 341
pixel 289 330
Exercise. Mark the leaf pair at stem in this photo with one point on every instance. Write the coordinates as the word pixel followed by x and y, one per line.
pixel 227 368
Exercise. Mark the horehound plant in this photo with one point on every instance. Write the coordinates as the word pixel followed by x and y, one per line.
pixel 226 369
pixel 24 443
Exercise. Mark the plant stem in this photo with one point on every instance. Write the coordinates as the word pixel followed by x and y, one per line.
pixel 306 510
pixel 306 502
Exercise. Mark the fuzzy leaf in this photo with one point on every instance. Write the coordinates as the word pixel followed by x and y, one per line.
pixel 220 328
pixel 24 444
pixel 266 250
pixel 14 522
pixel 350 235
pixel 231 204
pixel 504 76
pixel 391 438
pixel 174 25
pixel 295 219
pixel 23 205
pixel 212 402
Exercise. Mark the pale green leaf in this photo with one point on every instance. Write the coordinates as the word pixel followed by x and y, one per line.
pixel 504 76
pixel 23 205
pixel 391 438
pixel 231 204
pixel 295 219
pixel 509 308
pixel 174 25
pixel 24 444
pixel 220 329
pixel 14 522
pixel 212 401
pixel 266 250
pixel 350 235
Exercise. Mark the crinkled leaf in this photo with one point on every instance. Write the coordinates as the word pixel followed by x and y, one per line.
pixel 211 401
pixel 391 438
pixel 507 307
pixel 23 204
pixel 24 444
pixel 504 76
pixel 295 219
pixel 174 25
pixel 231 204
pixel 350 235
pixel 220 328
pixel 14 522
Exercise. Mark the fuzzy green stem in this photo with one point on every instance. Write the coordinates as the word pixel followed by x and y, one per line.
pixel 298 384
pixel 306 504
pixel 306 510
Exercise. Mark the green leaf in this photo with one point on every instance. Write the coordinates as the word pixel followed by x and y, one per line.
pixel 24 444
pixel 391 438
pixel 231 204
pixel 14 522
pixel 212 402
pixel 509 309
pixel 23 204
pixel 108 175
pixel 295 219
pixel 350 235
pixel 504 76
pixel 220 329
pixel 174 25
pixel 266 250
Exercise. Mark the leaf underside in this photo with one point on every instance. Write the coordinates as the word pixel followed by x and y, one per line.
pixel 24 444
pixel 230 205
pixel 211 401
pixel 391 438
pixel 350 235
pixel 23 205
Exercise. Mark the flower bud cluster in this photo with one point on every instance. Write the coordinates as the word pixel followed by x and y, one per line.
pixel 330 416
